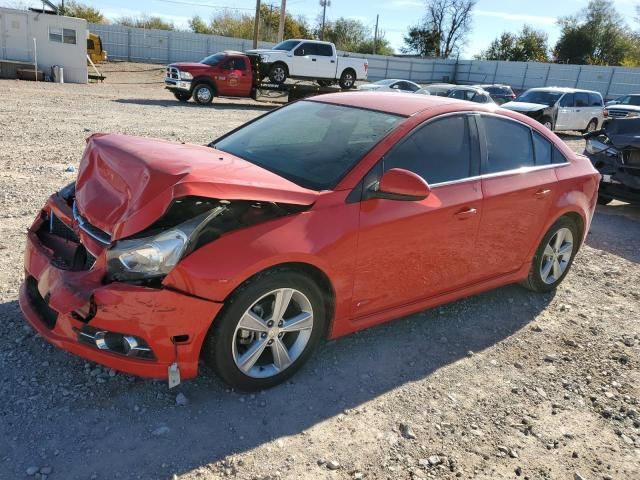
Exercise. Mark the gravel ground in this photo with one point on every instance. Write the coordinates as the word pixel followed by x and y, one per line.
pixel 507 384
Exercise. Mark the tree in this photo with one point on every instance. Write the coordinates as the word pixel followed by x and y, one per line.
pixel 346 33
pixel 145 22
pixel 80 10
pixel 240 25
pixel 445 26
pixel 597 35
pixel 528 46
pixel 422 41
pixel 383 47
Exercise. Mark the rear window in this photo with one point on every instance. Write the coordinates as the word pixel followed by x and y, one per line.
pixel 582 99
pixel 542 149
pixel 595 100
pixel 310 143
pixel 324 50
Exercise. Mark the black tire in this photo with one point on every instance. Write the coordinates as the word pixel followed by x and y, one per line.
pixel 535 281
pixel 278 73
pixel 591 126
pixel 182 96
pixel 604 199
pixel 547 122
pixel 218 349
pixel 348 79
pixel 325 83
pixel 203 94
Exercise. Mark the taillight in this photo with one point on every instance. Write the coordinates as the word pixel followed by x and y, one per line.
pixel 366 67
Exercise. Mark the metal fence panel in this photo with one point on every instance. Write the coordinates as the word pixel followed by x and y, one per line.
pixel 159 46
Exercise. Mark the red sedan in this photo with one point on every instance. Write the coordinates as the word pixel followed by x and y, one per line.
pixel 316 220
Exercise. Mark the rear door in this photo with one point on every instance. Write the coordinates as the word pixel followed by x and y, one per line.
pixel 518 186
pixel 583 110
pixel 410 250
pixel 566 119
pixel 596 107
pixel 324 62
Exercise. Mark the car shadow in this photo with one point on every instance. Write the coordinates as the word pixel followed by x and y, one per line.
pixel 569 136
pixel 217 103
pixel 622 218
pixel 134 428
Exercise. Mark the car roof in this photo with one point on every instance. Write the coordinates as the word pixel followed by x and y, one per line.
pixel 388 102
pixel 307 40
pixel 561 90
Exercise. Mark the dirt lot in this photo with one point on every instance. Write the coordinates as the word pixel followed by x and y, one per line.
pixel 507 384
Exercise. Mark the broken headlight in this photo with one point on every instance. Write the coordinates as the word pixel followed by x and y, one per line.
pixel 155 256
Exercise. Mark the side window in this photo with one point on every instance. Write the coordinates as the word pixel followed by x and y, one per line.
pixel 595 100
pixel 459 94
pixel 567 100
pixel 324 50
pixel 558 157
pixel 508 145
pixel 542 149
pixel 439 151
pixel 401 86
pixel 240 64
pixel 412 88
pixel 582 99
pixel 302 50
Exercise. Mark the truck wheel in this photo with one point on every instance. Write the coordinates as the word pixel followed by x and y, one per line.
pixel 203 94
pixel 182 96
pixel 347 79
pixel 278 73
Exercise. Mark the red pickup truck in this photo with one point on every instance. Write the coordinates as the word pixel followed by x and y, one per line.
pixel 228 74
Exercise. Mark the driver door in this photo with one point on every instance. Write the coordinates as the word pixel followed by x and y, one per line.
pixel 412 250
pixel 235 79
pixel 304 60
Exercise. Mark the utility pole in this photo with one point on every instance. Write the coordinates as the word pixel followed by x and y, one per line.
pixel 283 15
pixel 324 4
pixel 375 35
pixel 256 25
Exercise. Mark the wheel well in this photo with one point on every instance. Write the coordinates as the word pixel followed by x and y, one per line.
pixel 280 62
pixel 578 222
pixel 348 69
pixel 200 80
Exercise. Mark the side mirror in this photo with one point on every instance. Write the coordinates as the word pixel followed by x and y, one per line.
pixel 401 184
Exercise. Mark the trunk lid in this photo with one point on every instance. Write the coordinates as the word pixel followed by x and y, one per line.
pixel 125 183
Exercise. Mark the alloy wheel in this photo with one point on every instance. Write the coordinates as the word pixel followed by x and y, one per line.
pixel 272 333
pixel 556 256
pixel 279 74
pixel 203 94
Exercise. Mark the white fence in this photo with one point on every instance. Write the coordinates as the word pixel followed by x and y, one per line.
pixel 159 46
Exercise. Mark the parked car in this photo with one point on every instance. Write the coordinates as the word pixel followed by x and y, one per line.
pixel 499 93
pixel 320 218
pixel 311 59
pixel 471 94
pixel 561 108
pixel 391 85
pixel 438 89
pixel 621 107
pixel 615 153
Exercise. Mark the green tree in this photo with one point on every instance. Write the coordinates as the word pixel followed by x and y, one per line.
pixel 444 28
pixel 597 35
pixel 80 10
pixel 146 22
pixel 527 46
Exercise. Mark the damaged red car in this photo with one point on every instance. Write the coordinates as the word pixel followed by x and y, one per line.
pixel 315 220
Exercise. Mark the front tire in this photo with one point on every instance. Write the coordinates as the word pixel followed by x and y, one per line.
pixel 347 79
pixel 203 94
pixel 554 256
pixel 267 331
pixel 547 122
pixel 278 73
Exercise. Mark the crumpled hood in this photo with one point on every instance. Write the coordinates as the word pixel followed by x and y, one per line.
pixel 523 106
pixel 125 183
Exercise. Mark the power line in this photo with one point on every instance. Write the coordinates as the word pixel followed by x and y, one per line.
pixel 204 5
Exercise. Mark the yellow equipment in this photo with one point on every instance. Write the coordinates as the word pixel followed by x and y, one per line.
pixel 94 49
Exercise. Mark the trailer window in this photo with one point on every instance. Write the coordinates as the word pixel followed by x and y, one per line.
pixel 310 143
pixel 62 35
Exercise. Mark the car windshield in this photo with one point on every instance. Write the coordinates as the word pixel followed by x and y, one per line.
pixel 213 59
pixel 384 82
pixel 537 96
pixel 631 100
pixel 310 143
pixel 286 45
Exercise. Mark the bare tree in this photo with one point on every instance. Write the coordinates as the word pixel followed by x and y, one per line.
pixel 450 23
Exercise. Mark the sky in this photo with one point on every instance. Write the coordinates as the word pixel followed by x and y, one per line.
pixel 490 18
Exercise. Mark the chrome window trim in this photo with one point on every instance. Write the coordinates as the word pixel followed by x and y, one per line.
pixel 515 171
pixel 82 224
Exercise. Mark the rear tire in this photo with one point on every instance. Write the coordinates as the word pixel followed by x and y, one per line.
pixel 182 96
pixel 227 344
pixel 554 256
pixel 203 94
pixel 347 79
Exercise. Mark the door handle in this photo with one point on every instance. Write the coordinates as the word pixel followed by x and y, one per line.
pixel 540 194
pixel 466 213
pixel 313 59
pixel 333 61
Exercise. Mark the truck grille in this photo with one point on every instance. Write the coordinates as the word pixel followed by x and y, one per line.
pixel 173 73
pixel 618 113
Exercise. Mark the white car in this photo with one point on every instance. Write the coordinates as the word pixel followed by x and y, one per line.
pixel 559 108
pixel 311 60
pixel 392 85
